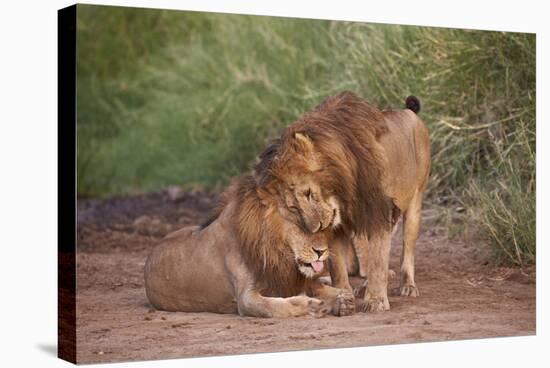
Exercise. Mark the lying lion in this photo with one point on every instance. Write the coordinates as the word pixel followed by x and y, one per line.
pixel 253 258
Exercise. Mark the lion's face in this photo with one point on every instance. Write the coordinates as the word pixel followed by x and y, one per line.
pixel 305 204
pixel 310 250
pixel 295 180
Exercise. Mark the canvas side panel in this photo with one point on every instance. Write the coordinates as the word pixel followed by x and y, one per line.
pixel 66 187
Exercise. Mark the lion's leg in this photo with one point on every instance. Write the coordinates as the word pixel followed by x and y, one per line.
pixel 252 304
pixel 361 244
pixel 337 263
pixel 352 262
pixel 340 301
pixel 376 294
pixel 411 228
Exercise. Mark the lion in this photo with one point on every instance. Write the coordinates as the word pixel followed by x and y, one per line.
pixel 254 257
pixel 375 167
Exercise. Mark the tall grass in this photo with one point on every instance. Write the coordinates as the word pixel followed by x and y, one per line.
pixel 191 98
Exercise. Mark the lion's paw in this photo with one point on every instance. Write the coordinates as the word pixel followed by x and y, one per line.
pixel 410 290
pixel 317 308
pixel 376 304
pixel 305 306
pixel 345 304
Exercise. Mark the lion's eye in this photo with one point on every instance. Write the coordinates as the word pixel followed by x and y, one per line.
pixel 307 194
pixel 294 209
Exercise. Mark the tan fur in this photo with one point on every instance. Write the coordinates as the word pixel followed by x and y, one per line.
pixel 374 167
pixel 249 260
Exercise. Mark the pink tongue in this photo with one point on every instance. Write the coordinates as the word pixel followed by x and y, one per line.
pixel 317 266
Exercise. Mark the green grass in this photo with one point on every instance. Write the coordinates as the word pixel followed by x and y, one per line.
pixel 185 98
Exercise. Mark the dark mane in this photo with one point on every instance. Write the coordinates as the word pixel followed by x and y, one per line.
pixel 345 131
pixel 263 244
pixel 262 168
pixel 262 238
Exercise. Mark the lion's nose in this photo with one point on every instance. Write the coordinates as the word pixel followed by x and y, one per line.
pixel 319 252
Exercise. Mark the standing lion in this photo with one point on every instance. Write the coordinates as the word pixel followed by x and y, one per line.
pixel 372 168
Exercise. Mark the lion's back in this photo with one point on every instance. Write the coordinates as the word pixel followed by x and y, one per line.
pixel 185 272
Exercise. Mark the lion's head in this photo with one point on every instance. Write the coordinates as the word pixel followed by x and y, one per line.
pixel 304 202
pixel 294 177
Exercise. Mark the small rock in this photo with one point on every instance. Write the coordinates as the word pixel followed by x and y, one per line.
pixel 182 324
pixel 142 221
pixel 175 193
pixel 146 225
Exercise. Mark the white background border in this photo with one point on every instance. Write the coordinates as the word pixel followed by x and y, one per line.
pixel 28 180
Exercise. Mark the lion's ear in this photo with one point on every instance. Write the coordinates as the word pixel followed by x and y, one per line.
pixel 305 140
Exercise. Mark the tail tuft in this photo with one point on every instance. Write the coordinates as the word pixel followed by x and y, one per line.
pixel 413 103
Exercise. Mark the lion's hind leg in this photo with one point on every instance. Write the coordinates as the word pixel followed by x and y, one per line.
pixel 411 228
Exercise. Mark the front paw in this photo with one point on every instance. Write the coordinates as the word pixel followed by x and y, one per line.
pixel 305 306
pixel 409 290
pixel 345 304
pixel 376 304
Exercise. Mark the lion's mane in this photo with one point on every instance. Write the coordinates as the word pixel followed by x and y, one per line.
pixel 344 130
pixel 262 238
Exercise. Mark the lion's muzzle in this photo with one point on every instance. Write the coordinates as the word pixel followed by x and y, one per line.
pixel 312 268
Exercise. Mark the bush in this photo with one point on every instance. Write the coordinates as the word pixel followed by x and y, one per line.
pixel 191 98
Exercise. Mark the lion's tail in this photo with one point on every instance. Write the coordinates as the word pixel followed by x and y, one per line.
pixel 412 103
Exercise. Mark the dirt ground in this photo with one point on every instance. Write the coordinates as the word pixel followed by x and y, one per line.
pixel 463 296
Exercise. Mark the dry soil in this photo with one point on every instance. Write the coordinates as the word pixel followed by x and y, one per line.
pixel 463 295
